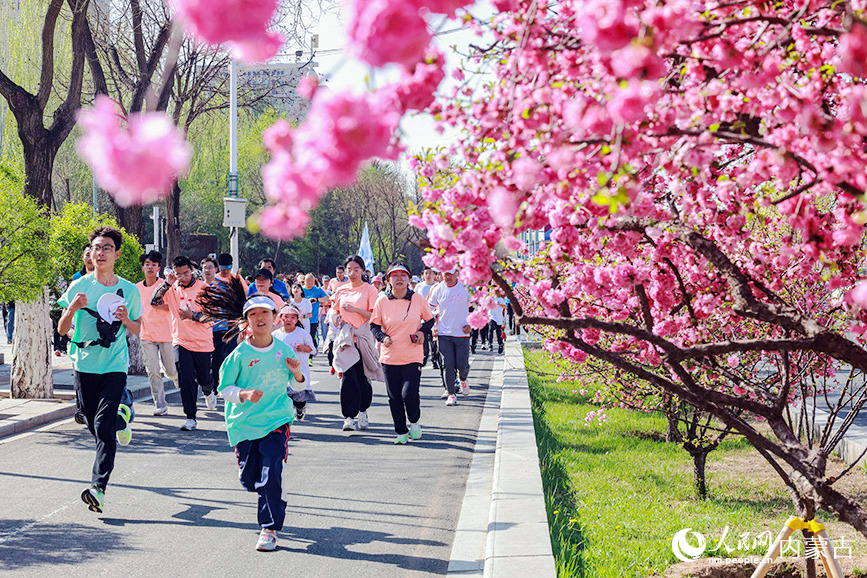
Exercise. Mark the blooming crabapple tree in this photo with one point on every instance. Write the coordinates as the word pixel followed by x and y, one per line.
pixel 699 164
pixel 700 168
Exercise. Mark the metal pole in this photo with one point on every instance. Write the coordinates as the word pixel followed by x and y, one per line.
pixel 156 220
pixel 233 155
pixel 95 191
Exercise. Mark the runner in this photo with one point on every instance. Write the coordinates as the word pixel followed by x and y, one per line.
pixel 86 264
pixel 300 302
pixel 378 284
pixel 495 326
pixel 192 337
pixel 258 414
pixel 277 286
pixel 401 322
pixel 99 353
pixel 427 283
pixel 223 346
pixel 316 295
pixel 452 300
pixel 263 284
pixel 156 333
pixel 292 334
pixel 339 280
pixel 355 354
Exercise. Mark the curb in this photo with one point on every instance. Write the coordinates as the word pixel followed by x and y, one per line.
pixel 66 410
pixel 138 385
pixel 504 504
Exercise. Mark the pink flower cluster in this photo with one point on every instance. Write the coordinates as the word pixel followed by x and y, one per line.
pixel 341 132
pixel 136 159
pixel 243 25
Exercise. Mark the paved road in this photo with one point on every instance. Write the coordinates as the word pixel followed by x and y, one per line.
pixel 358 505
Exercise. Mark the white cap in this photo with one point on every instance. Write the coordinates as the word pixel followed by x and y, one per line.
pixel 259 301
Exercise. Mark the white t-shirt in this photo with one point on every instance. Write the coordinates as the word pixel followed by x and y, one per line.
pixel 298 337
pixel 453 304
pixel 497 312
pixel 424 289
pixel 306 308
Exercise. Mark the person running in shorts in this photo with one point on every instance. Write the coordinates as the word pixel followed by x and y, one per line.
pixel 401 322
pixel 99 353
pixel 452 301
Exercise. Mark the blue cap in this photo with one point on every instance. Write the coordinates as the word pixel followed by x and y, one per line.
pixel 259 301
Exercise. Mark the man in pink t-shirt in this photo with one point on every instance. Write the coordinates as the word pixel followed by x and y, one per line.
pixel 191 337
pixel 339 281
pixel 156 332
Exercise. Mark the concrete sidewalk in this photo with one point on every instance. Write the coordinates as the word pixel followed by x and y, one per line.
pixel 20 415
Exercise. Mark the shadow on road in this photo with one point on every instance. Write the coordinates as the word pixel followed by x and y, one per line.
pixel 49 544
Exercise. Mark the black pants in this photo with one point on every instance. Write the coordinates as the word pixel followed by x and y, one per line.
pixel 222 349
pixel 356 393
pixel 261 462
pixel 402 383
pixel 431 351
pixel 194 370
pixel 314 333
pixel 456 358
pixel 495 330
pixel 329 353
pixel 100 395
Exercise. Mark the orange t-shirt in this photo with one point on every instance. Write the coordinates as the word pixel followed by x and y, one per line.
pixel 399 318
pixel 156 323
pixel 335 284
pixel 187 333
pixel 364 297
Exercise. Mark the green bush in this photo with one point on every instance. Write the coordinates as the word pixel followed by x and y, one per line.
pixel 24 230
pixel 69 231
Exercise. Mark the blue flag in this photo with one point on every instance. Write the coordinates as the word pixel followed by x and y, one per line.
pixel 365 251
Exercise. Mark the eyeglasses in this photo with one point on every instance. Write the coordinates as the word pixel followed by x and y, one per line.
pixel 107 248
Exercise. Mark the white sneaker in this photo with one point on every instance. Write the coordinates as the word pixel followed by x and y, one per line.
pixel 350 424
pixel 445 394
pixel 363 422
pixel 452 400
pixel 465 389
pixel 267 542
pixel 161 410
pixel 211 401
pixel 189 425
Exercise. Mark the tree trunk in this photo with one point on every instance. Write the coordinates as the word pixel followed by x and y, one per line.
pixel 136 355
pixel 672 434
pixel 699 461
pixel 38 168
pixel 31 350
pixel 173 223
pixel 131 219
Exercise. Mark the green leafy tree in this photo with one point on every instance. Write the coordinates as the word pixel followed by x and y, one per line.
pixel 69 232
pixel 24 263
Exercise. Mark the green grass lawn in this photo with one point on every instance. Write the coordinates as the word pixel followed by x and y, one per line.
pixel 616 493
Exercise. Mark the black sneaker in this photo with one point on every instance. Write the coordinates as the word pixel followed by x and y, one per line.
pixel 299 413
pixel 79 418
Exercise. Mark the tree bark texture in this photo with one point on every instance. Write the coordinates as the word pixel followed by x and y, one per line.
pixel 136 355
pixel 699 463
pixel 31 350
pixel 173 223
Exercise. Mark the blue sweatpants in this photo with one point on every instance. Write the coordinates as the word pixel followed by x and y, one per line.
pixel 261 462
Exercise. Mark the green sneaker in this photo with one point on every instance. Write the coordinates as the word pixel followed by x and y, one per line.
pixel 402 439
pixel 94 498
pixel 124 436
pixel 415 431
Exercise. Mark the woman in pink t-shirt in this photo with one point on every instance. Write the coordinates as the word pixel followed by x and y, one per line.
pixel 401 322
pixel 354 302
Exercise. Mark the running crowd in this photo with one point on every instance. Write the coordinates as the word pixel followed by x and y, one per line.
pixel 251 341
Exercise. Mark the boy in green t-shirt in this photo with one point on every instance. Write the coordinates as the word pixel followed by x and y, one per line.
pixel 99 353
pixel 253 381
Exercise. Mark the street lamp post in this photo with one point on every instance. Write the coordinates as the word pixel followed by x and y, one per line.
pixel 235 209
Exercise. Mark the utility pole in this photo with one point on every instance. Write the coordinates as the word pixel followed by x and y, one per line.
pixel 235 210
